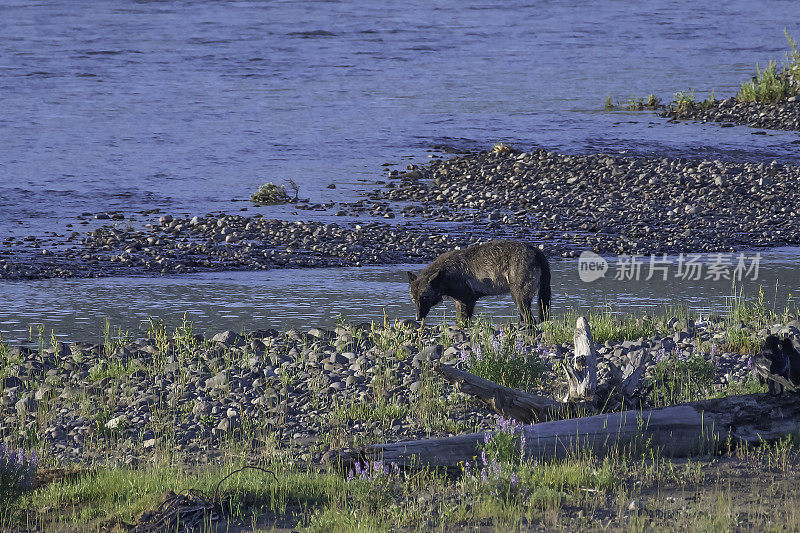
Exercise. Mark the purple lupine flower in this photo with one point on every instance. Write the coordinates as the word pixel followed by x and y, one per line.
pixel 522 445
pixel 466 468
pixel 495 345
pixel 513 480
pixel 713 349
pixel 483 477
pixel 20 457
pixel 358 468
pixel 751 366
pixel 520 345
pixel 487 437
pixel 504 423
pixel 483 458
pixel 478 352
pixel 350 475
pixel 396 469
pixel 464 357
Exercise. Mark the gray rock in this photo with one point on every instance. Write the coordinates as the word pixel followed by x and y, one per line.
pixel 219 381
pixel 117 422
pixel 26 405
pixel 228 338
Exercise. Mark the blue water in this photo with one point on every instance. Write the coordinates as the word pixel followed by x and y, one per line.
pixel 186 105
pixel 76 309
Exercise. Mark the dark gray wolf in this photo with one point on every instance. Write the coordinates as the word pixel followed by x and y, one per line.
pixel 496 267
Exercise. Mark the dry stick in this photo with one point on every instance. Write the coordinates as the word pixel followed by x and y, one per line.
pixel 188 508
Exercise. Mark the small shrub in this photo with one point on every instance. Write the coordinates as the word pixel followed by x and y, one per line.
pixel 608 104
pixel 16 473
pixel 767 86
pixel 770 85
pixel 269 193
pixel 678 378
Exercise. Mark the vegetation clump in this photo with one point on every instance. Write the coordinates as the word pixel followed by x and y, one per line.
pixel 771 85
pixel 16 473
pixel 270 193
pixel 635 103
pixel 502 148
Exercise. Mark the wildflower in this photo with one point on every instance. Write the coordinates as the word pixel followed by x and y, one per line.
pixel 397 468
pixel 520 345
pixel 483 458
pixel 522 445
pixel 464 357
pixel 713 349
pixel 478 352
pixel 350 475
pixel 513 480
pixel 466 468
pixel 752 367
pixel 483 477
pixel 495 345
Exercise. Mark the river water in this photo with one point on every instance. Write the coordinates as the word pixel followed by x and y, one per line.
pixel 185 106
pixel 76 309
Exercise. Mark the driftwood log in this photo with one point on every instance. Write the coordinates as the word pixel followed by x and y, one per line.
pixel 676 431
pixel 582 375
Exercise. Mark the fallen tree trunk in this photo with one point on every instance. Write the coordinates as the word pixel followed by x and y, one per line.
pixel 675 431
pixel 511 403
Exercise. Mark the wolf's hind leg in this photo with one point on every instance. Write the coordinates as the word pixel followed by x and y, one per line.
pixel 523 303
pixel 464 310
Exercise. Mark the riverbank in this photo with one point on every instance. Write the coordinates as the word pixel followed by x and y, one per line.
pixel 565 203
pixel 783 115
pixel 181 400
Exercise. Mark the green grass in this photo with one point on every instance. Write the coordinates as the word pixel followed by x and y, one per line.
pixel 606 325
pixel 572 493
pixel 678 378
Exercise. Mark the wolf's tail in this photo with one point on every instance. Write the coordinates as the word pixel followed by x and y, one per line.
pixel 545 293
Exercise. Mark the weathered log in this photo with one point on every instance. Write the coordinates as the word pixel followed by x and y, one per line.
pixel 676 431
pixel 633 373
pixel 582 376
pixel 511 403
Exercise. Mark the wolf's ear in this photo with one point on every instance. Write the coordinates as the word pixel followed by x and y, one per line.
pixel 411 276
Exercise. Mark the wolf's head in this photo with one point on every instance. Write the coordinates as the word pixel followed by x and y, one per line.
pixel 425 292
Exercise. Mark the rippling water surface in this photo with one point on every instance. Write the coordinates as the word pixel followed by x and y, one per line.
pixel 187 105
pixel 76 309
